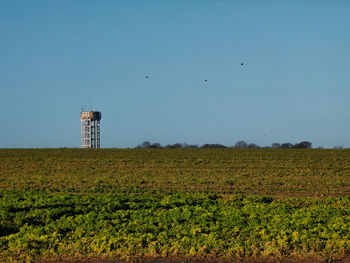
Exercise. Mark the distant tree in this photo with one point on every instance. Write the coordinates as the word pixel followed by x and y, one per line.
pixel 241 145
pixel 174 146
pixel 193 146
pixel 275 145
pixel 145 145
pixel 215 145
pixel 253 146
pixel 303 145
pixel 338 147
pixel 156 145
pixel 286 145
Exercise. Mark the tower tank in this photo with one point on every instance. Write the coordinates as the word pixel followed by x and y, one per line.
pixel 90 129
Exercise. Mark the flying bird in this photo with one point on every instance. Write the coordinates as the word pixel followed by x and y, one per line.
pixel 242 64
pixel 147 77
pixel 205 80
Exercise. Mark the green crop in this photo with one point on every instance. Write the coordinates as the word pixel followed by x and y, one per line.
pixel 39 224
pixel 173 202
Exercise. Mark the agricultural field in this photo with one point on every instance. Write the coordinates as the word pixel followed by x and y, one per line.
pixel 126 204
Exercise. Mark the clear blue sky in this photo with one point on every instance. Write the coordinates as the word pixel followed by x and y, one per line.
pixel 56 56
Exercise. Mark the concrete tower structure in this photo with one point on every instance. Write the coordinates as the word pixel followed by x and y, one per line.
pixel 90 129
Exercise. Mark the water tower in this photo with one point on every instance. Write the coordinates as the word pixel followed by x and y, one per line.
pixel 90 129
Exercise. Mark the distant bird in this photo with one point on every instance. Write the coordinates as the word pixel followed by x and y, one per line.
pixel 242 64
pixel 147 77
pixel 205 80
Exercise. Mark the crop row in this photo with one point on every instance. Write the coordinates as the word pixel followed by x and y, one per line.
pixel 39 224
pixel 281 173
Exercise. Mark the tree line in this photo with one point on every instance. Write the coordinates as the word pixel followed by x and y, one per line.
pixel 239 145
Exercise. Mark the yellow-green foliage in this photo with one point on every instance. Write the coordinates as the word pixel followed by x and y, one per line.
pixel 36 224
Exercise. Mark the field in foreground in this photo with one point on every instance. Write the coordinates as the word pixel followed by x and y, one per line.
pixel 225 203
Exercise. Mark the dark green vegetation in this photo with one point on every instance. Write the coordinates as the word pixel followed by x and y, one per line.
pixel 190 202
